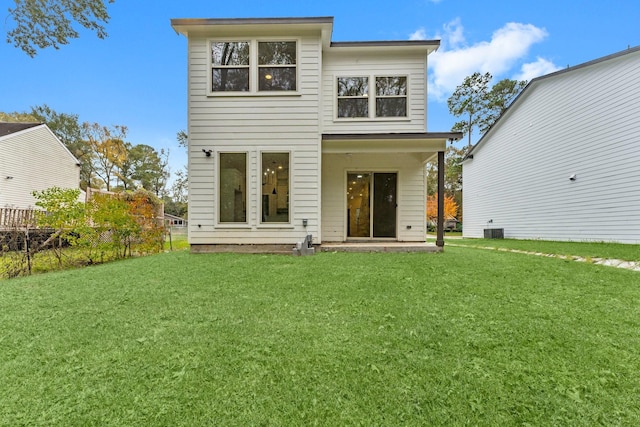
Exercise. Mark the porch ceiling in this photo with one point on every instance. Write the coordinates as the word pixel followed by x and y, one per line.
pixel 424 143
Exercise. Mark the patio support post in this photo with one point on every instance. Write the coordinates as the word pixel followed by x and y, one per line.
pixel 440 225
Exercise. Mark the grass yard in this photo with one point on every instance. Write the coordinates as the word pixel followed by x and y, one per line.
pixel 584 249
pixel 464 337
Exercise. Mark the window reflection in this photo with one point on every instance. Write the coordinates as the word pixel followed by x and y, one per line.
pixel 353 98
pixel 230 66
pixel 233 185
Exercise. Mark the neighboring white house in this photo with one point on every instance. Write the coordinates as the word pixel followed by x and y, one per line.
pixel 292 134
pixel 563 162
pixel 32 158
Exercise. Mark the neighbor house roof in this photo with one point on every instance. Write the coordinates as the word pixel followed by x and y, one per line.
pixel 9 128
pixel 534 82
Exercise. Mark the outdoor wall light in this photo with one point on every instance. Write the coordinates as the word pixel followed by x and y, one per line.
pixel 9 177
pixel 207 152
pixel 573 177
pixel 305 222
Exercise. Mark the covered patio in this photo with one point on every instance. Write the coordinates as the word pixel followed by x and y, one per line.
pixel 394 221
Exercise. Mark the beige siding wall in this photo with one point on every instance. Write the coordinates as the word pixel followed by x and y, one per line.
pixel 584 122
pixel 343 64
pixel 254 124
pixel 36 160
pixel 411 192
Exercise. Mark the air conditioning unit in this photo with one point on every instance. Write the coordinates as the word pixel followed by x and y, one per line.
pixel 494 233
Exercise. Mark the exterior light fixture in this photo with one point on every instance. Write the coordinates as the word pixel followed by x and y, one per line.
pixel 207 152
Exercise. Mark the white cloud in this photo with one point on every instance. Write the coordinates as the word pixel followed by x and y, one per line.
pixel 455 59
pixel 453 35
pixel 419 34
pixel 536 69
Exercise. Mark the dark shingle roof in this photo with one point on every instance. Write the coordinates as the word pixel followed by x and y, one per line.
pixel 9 128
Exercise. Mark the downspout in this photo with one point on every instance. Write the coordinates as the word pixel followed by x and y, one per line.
pixel 440 224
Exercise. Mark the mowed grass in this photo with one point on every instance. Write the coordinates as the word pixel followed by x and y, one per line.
pixel 464 337
pixel 626 252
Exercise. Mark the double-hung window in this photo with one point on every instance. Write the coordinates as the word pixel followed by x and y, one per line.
pixel 253 66
pixel 230 66
pixel 353 96
pixel 277 65
pixel 385 97
pixel 391 96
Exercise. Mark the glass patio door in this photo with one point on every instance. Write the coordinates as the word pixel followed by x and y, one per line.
pixel 371 205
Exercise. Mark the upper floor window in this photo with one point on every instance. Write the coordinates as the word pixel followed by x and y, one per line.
pixel 253 66
pixel 357 99
pixel 353 97
pixel 277 65
pixel 391 96
pixel 230 66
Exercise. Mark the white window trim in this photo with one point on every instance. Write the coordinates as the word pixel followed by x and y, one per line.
pixel 366 95
pixel 372 99
pixel 210 64
pixel 218 169
pixel 253 68
pixel 288 224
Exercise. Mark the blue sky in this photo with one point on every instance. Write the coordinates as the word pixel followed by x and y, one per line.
pixel 137 77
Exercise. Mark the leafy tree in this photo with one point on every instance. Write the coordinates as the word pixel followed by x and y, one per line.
pixel 450 208
pixel 158 174
pixel 498 100
pixel 480 105
pixel 62 211
pixel 452 176
pixel 49 23
pixel 176 200
pixel 139 167
pixel 470 100
pixel 452 173
pixel 16 117
pixel 183 138
pixel 110 149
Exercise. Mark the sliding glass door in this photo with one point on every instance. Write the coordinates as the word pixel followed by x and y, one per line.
pixel 371 205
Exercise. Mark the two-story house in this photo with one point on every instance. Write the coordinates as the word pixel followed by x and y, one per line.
pixel 32 158
pixel 292 134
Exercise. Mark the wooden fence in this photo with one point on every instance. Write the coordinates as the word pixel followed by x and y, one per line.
pixel 11 218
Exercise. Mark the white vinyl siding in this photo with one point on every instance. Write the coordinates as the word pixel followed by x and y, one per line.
pixel 254 124
pixel 410 198
pixel 584 122
pixel 341 64
pixel 35 160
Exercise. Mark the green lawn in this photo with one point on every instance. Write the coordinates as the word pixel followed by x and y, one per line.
pixel 584 249
pixel 464 337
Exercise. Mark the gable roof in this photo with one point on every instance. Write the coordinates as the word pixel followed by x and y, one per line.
pixel 9 128
pixel 537 81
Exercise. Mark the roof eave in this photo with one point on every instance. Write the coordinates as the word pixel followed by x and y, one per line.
pixel 386 45
pixel 186 26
